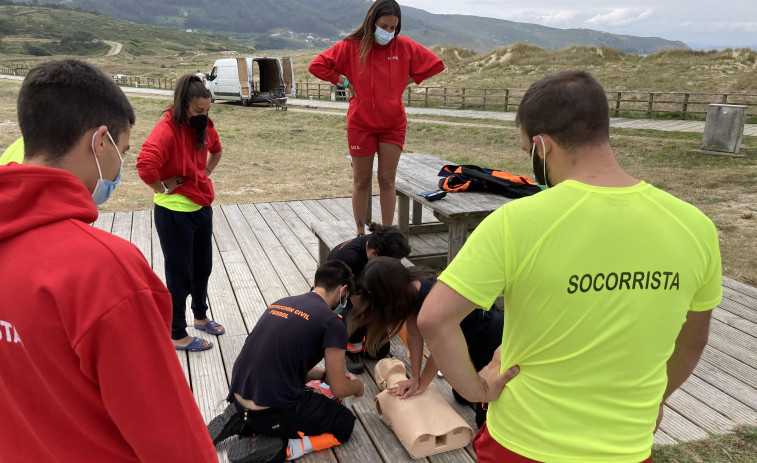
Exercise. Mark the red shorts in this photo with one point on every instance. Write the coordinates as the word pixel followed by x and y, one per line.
pixel 364 143
pixel 490 451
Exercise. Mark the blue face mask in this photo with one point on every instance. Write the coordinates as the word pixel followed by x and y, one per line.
pixel 104 188
pixel 382 37
pixel 340 308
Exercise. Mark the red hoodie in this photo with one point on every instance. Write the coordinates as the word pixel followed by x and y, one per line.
pixel 377 103
pixel 88 369
pixel 170 150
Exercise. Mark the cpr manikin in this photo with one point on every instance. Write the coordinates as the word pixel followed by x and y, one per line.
pixel 425 424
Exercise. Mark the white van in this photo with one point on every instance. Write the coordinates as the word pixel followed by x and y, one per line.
pixel 251 80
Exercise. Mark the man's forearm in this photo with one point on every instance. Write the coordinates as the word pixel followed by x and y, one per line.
pixel 690 343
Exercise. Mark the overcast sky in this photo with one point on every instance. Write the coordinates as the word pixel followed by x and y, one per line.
pixel 698 23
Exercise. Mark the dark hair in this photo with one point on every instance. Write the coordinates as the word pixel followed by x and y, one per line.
pixel 387 299
pixel 387 241
pixel 332 275
pixel 365 32
pixel 569 106
pixel 188 87
pixel 60 101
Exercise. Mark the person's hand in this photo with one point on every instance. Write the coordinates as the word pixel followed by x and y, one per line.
pixel 495 381
pixel 659 418
pixel 406 388
pixel 173 183
pixel 361 388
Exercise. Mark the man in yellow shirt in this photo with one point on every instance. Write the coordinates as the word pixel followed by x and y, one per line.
pixel 14 153
pixel 609 284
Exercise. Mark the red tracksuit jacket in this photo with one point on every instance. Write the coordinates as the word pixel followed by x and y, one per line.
pixel 88 369
pixel 379 86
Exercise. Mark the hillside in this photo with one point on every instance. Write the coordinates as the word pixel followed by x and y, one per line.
pixel 48 29
pixel 316 23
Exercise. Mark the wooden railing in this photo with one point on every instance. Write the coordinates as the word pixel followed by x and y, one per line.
pixel 621 103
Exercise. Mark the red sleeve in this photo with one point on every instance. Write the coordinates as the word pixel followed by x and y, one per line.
pixel 423 63
pixel 328 65
pixel 129 356
pixel 214 142
pixel 154 154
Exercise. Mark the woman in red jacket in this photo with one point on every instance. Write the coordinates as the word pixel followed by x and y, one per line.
pixel 376 64
pixel 176 160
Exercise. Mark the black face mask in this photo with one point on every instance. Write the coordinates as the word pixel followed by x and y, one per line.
pixel 199 122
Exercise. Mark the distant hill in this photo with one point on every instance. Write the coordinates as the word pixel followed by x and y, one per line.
pixel 294 20
pixel 47 31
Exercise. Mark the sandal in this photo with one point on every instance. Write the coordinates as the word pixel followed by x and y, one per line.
pixel 209 327
pixel 195 345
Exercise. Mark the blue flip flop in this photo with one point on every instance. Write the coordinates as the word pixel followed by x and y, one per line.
pixel 208 328
pixel 195 345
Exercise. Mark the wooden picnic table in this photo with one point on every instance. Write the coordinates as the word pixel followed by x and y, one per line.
pixel 458 212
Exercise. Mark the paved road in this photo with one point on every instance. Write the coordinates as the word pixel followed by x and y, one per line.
pixel 647 124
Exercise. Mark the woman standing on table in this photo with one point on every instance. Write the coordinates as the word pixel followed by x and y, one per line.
pixel 176 159
pixel 376 64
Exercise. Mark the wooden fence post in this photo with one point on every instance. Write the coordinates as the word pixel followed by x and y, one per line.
pixel 685 105
pixel 507 98
pixel 408 96
pixel 462 99
pixel 484 98
pixel 649 105
pixel 617 103
pixel 425 102
pixel 725 98
pixel 444 104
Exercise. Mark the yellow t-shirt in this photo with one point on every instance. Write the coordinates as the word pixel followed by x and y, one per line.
pixel 14 153
pixel 597 284
pixel 176 202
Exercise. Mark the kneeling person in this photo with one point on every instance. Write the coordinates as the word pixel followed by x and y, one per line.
pixel 268 397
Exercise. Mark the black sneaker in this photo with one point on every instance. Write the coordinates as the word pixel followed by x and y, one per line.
pixel 258 449
pixel 354 362
pixel 225 425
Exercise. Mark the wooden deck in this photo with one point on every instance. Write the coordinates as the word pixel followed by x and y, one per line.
pixel 266 251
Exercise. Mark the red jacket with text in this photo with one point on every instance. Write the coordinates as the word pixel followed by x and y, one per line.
pixel 88 369
pixel 379 86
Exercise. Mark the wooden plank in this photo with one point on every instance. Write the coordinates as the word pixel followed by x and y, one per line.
pixel 122 225
pixel 660 438
pixel 104 221
pixel 298 226
pixel 728 406
pixel 221 299
pixel 141 232
pixel 678 427
pixel 318 210
pixel 733 387
pixel 741 288
pixel 290 242
pixel 731 366
pixel 265 276
pixel 733 342
pixel 739 304
pixel 749 328
pixel 698 413
pixel 335 209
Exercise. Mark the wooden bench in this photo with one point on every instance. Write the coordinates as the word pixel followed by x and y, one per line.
pixel 331 234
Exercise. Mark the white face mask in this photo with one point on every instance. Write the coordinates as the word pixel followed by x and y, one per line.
pixel 382 37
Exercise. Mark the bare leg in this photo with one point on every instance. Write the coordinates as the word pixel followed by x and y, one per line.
pixel 388 158
pixel 362 176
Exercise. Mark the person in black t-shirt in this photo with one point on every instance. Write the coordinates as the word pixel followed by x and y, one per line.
pixel 267 394
pixel 392 295
pixel 382 241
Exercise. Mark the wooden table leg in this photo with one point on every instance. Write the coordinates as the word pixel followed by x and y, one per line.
pixel 417 212
pixel 403 214
pixel 456 236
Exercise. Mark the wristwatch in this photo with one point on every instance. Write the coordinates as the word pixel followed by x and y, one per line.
pixel 165 187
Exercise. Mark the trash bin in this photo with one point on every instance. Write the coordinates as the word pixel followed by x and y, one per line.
pixel 724 128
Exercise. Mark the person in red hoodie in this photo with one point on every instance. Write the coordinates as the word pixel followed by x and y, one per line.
pixel 376 64
pixel 88 372
pixel 176 161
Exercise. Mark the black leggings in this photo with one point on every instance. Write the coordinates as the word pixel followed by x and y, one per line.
pixel 313 415
pixel 186 241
